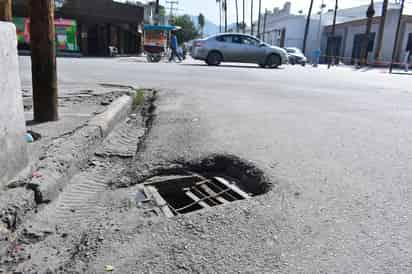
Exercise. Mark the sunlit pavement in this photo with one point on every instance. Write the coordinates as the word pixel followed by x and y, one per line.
pixel 337 144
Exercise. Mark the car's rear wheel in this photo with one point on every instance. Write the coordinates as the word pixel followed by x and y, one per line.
pixel 214 58
pixel 273 61
pixel 262 65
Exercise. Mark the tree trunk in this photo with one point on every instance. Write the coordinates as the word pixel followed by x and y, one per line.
pixel 220 16
pixel 259 16
pixel 398 28
pixel 5 10
pixel 237 16
pixel 381 31
pixel 305 38
pixel 43 59
pixel 225 15
pixel 264 24
pixel 365 45
pixel 244 23
pixel 251 17
pixel 331 55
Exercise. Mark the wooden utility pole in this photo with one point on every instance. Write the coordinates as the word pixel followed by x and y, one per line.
pixel 365 44
pixel 157 13
pixel 333 46
pixel 43 59
pixel 398 28
pixel 381 31
pixel 5 10
pixel 305 38
pixel 259 16
pixel 251 17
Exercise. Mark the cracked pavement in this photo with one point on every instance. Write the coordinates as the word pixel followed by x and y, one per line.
pixel 336 145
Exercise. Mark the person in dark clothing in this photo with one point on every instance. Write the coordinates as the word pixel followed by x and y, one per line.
pixel 173 46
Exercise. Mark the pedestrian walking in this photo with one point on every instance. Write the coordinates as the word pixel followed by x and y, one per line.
pixel 316 57
pixel 174 47
pixel 407 60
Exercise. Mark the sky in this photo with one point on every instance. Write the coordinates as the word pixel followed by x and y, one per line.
pixel 210 9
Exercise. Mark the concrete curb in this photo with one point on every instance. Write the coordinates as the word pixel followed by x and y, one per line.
pixel 66 157
pixel 117 112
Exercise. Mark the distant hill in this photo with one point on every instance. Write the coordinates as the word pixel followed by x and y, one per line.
pixel 210 27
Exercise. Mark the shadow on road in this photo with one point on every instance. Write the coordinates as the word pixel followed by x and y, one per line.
pixel 402 73
pixel 228 66
pixel 30 123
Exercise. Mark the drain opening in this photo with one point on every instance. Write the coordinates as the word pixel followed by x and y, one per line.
pixel 178 194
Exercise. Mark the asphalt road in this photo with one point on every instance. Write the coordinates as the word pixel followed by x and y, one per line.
pixel 337 145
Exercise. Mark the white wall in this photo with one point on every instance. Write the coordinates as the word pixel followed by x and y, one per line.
pixel 389 35
pixel 404 40
pixel 295 30
pixel 13 150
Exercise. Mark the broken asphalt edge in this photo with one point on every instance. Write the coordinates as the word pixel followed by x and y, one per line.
pixel 63 160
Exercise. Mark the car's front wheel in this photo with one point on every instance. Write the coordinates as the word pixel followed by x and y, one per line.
pixel 273 61
pixel 214 58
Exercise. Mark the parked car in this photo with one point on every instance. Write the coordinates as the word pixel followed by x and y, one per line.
pixel 296 56
pixel 235 47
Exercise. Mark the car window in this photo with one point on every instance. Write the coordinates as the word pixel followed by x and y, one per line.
pixel 249 41
pixel 237 39
pixel 224 38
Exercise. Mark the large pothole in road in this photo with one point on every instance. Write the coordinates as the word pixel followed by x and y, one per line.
pixel 211 182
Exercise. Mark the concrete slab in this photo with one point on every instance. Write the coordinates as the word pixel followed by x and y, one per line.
pixel 13 156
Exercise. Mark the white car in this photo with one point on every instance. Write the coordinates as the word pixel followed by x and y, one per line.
pixel 296 56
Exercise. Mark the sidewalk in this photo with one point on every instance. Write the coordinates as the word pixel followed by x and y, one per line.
pixel 64 146
pixel 76 108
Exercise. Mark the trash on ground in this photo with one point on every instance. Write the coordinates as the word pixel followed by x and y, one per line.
pixel 36 136
pixel 36 174
pixel 32 136
pixel 108 268
pixel 29 138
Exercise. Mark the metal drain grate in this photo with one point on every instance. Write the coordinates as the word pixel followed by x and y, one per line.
pixel 175 194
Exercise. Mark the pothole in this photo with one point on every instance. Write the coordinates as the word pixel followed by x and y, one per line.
pixel 208 183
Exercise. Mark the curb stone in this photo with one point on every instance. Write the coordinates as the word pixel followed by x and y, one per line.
pixel 69 156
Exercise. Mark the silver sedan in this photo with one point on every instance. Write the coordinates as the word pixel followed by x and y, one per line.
pixel 235 47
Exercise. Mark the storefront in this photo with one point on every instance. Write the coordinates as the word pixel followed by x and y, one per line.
pixel 66 34
pixel 89 27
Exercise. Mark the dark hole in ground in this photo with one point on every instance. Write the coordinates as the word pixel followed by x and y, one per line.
pixel 203 184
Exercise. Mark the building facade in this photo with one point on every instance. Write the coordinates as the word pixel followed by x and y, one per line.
pixel 285 29
pixel 349 35
pixel 100 24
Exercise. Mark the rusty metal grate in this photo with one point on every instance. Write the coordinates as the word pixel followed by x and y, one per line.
pixel 176 194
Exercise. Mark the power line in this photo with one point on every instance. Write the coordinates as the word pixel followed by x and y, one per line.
pixel 172 7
